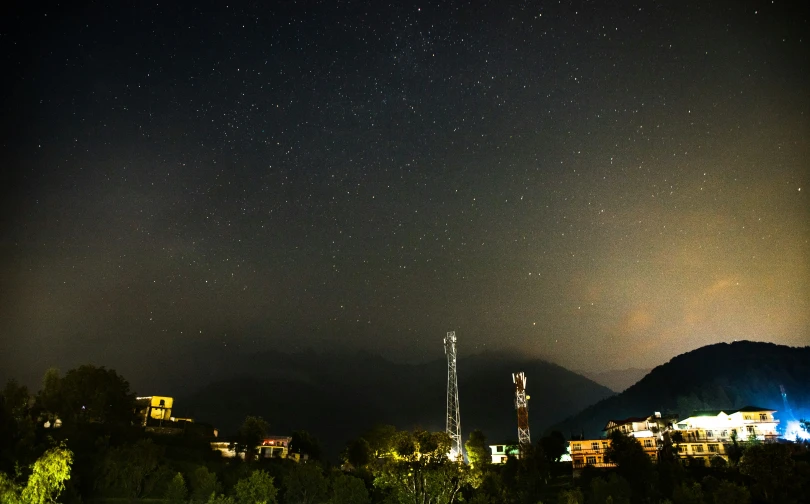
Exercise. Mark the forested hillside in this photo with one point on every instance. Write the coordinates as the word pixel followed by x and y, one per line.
pixel 720 376
pixel 338 397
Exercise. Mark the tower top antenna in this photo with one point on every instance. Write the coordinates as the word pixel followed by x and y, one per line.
pixel 522 407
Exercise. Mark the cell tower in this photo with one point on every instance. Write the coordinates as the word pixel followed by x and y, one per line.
pixel 453 419
pixel 522 406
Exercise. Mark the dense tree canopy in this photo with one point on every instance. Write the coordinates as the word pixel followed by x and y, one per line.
pixel 250 435
pixel 477 450
pixel 87 394
pixel 101 456
pixel 46 480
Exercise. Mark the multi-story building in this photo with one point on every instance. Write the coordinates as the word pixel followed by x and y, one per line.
pixel 589 452
pixel 751 422
pixel 648 431
pixel 698 438
pixel 156 415
pixel 708 434
pixel 642 427
pixel 155 408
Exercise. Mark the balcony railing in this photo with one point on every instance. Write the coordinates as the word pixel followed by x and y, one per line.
pixel 580 465
pixel 588 449
pixel 726 439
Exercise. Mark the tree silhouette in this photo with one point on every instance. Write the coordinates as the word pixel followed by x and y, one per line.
pixel 46 482
pixel 249 436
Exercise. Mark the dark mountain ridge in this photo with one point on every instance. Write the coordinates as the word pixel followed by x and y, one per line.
pixel 720 376
pixel 337 398
pixel 617 380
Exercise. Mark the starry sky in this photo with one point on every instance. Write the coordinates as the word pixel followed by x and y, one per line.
pixel 604 184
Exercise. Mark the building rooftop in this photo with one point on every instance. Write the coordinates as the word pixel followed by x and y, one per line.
pixel 731 411
pixel 700 413
pixel 613 423
pixel 750 409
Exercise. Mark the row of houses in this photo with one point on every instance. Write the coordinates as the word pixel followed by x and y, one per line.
pixel 156 416
pixel 698 438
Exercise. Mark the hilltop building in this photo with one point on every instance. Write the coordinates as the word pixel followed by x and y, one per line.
pixel 641 427
pixel 708 434
pixel 742 424
pixel 156 416
pixel 698 438
pixel 589 452
pixel 157 409
pixel 501 452
pixel 270 447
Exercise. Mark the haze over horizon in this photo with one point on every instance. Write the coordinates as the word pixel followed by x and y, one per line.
pixel 602 186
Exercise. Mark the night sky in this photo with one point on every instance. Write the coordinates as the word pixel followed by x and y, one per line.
pixel 602 184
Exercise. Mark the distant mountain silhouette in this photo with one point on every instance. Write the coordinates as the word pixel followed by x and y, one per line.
pixel 721 376
pixel 617 380
pixel 337 398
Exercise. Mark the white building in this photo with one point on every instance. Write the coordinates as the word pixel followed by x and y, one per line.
pixel 742 424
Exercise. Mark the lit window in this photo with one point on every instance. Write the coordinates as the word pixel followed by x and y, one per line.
pixel 748 417
pixel 577 447
pixel 763 416
pixel 594 446
pixel 648 443
pixel 590 460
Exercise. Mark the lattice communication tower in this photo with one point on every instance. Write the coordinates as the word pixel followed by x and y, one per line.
pixel 453 418
pixel 522 406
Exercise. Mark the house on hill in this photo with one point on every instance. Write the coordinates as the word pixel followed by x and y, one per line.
pixel 748 423
pixel 708 434
pixel 589 452
pixel 271 447
pixel 502 451
pixel 698 438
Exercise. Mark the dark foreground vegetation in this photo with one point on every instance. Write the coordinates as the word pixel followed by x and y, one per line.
pixel 101 454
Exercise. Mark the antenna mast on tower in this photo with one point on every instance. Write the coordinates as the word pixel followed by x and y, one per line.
pixel 453 420
pixel 522 406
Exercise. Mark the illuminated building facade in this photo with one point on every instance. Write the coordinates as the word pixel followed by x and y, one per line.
pixel 501 452
pixel 274 447
pixel 707 434
pixel 155 413
pixel 648 431
pixel 743 424
pixel 270 447
pixel 699 438
pixel 589 452
pixel 155 408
